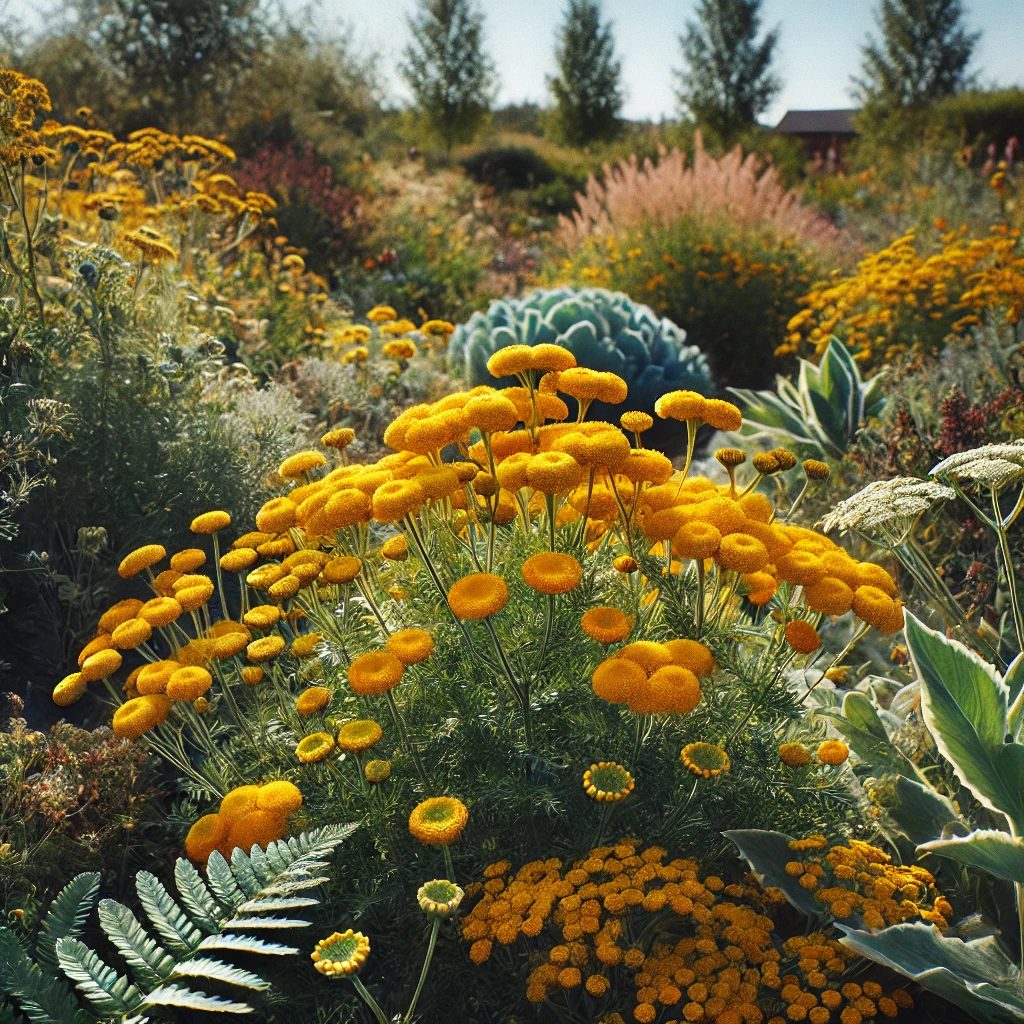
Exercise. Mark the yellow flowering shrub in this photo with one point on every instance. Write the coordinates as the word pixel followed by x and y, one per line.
pixel 913 294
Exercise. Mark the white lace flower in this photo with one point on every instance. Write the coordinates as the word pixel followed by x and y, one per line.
pixel 887 509
pixel 993 465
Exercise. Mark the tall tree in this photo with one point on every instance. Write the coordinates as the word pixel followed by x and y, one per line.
pixel 588 87
pixel 727 80
pixel 177 56
pixel 922 56
pixel 451 77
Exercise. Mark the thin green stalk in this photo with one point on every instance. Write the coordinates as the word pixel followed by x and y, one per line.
pixel 1011 582
pixel 369 1000
pixel 396 714
pixel 838 658
pixel 799 498
pixel 422 550
pixel 426 967
pixel 226 611
pixel 549 617
pixel 700 596
pixel 638 741
pixel 522 691
pixel 691 443
pixel 585 518
pixel 448 865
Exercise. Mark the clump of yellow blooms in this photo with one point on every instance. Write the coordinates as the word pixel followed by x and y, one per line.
pixel 855 879
pixel 248 816
pixel 489 472
pixel 902 297
pixel 694 948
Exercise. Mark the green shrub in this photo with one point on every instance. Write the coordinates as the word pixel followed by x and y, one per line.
pixel 732 291
pixel 508 167
pixel 978 118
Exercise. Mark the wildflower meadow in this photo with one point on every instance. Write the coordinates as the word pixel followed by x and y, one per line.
pixel 480 563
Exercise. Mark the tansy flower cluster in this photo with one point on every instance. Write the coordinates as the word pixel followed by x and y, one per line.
pixel 693 947
pixel 654 678
pixel 857 880
pixel 903 297
pixel 248 816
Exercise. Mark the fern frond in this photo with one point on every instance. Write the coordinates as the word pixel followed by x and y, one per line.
pixel 66 916
pixel 217 970
pixel 150 964
pixel 109 993
pixel 173 924
pixel 222 882
pixel 44 1000
pixel 246 944
pixel 198 901
pixel 175 995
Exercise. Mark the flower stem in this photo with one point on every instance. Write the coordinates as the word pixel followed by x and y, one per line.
pixel 426 966
pixel 369 1000
pixel 406 742
pixel 1011 583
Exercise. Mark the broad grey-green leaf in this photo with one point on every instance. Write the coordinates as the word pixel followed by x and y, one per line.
pixel 989 850
pixel 1014 679
pixel 922 813
pixel 975 975
pixel 964 703
pixel 767 853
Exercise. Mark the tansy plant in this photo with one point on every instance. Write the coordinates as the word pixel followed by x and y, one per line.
pixel 451 635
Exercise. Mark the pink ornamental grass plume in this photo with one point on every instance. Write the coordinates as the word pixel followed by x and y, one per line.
pixel 735 187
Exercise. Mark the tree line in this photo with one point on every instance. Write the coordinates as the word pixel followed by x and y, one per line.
pixel 180 58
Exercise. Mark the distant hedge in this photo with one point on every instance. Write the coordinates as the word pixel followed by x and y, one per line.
pixel 979 118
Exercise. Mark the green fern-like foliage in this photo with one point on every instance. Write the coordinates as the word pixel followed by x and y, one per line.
pixel 204 920
pixel 34 985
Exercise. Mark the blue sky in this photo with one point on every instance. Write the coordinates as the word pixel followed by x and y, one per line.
pixel 818 52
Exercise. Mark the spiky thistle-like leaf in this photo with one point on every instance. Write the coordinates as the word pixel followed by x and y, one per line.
pixel 245 944
pixel 66 916
pixel 173 924
pixel 109 993
pixel 43 999
pixel 150 964
pixel 222 882
pixel 176 995
pixel 198 900
pixel 217 970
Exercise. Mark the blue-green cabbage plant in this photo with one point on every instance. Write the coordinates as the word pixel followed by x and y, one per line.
pixel 604 330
